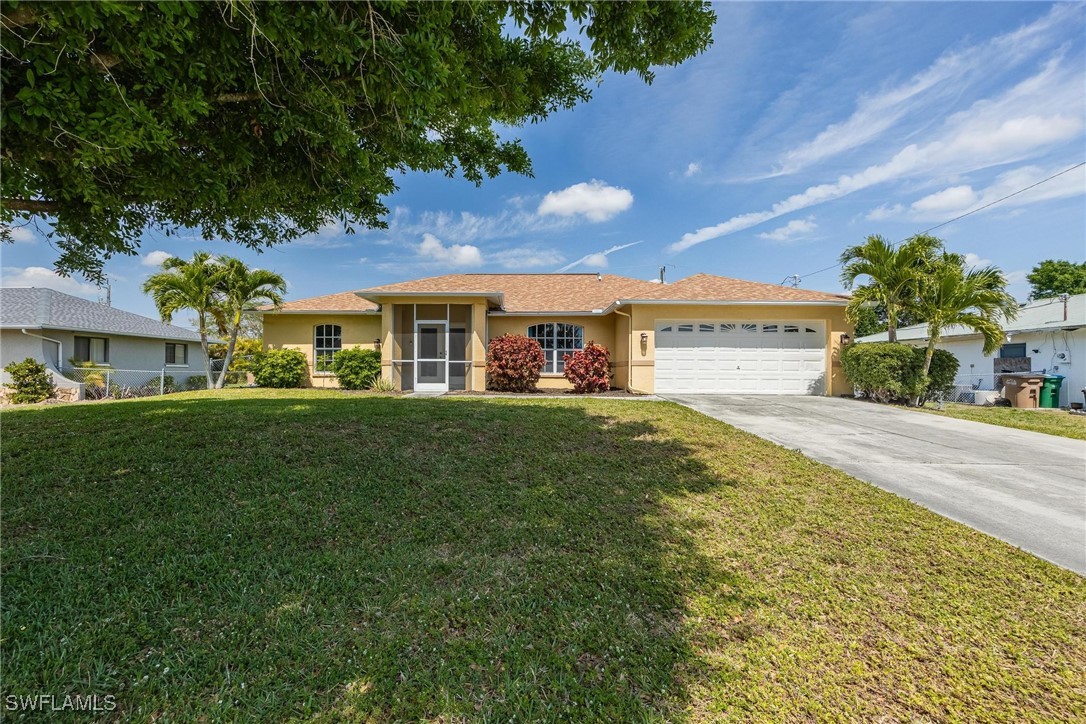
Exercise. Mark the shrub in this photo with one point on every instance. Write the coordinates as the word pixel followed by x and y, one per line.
pixel 30 382
pixel 513 363
pixel 282 368
pixel 941 374
pixel 169 384
pixel 357 368
pixel 589 369
pixel 196 382
pixel 893 372
pixel 380 384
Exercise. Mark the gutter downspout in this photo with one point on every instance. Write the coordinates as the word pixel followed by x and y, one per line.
pixel 57 342
pixel 629 354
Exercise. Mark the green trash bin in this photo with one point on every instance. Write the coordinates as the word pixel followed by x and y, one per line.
pixel 1050 391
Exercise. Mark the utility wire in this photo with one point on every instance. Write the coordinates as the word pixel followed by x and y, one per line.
pixel 962 216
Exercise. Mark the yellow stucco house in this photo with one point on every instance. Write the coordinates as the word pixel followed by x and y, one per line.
pixel 705 333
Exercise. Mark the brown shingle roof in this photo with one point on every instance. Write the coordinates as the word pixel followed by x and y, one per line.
pixel 532 292
pixel 711 288
pixel 341 302
pixel 524 293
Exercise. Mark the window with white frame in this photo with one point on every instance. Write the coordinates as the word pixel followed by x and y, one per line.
pixel 327 340
pixel 177 354
pixel 557 340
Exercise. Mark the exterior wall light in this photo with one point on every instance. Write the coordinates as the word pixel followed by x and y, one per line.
pixel 846 340
pixel 644 338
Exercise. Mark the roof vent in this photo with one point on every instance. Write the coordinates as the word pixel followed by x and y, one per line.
pixel 599 277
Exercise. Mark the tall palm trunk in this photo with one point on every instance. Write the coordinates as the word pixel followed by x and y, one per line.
pixel 206 351
pixel 221 382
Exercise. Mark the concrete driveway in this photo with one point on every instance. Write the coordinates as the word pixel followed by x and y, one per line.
pixel 1026 488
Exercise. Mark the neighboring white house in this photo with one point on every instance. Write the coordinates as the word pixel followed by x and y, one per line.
pixel 56 329
pixel 1051 333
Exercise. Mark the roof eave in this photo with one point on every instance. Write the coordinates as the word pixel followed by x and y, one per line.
pixel 376 295
pixel 118 333
pixel 735 302
pixel 318 311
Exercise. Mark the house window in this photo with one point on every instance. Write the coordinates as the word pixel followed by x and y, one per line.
pixel 177 354
pixel 327 340
pixel 557 340
pixel 92 349
pixel 1017 349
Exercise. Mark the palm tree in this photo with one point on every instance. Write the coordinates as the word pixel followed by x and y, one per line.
pixel 893 274
pixel 949 294
pixel 191 285
pixel 242 290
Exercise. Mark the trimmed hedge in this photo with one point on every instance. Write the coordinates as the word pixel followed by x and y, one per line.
pixel 30 382
pixel 589 369
pixel 281 368
pixel 893 372
pixel 357 368
pixel 513 363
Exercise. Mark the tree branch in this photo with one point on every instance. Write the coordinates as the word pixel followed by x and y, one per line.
pixel 37 206
pixel 20 17
pixel 237 97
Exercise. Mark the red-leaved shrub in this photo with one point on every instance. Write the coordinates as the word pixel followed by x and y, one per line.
pixel 589 369
pixel 513 363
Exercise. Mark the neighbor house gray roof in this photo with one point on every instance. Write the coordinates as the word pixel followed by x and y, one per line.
pixel 34 308
pixel 1041 315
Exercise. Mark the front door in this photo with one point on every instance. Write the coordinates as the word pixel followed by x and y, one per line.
pixel 431 359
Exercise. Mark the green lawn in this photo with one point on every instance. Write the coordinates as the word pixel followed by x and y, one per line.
pixel 1051 422
pixel 314 555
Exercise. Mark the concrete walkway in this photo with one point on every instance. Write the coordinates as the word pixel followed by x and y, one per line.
pixel 1026 488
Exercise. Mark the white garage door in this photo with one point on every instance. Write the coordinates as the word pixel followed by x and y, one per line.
pixel 736 357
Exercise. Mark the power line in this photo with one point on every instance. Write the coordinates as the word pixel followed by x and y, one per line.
pixel 962 216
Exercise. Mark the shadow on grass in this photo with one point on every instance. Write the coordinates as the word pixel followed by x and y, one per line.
pixel 351 558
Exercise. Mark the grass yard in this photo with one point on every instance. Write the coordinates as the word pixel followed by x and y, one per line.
pixel 1051 422
pixel 315 555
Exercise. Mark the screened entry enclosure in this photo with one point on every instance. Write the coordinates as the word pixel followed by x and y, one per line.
pixel 431 347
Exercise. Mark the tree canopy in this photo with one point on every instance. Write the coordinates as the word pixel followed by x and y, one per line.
pixel 1053 277
pixel 258 122
pixel 892 274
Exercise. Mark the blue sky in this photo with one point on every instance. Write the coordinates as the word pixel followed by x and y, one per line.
pixel 806 127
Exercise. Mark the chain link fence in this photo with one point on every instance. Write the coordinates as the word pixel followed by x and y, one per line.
pixel 976 389
pixel 100 383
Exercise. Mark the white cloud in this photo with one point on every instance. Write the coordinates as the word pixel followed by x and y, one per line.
pixel 39 276
pixel 598 259
pixel 791 230
pixel 975 260
pixel 595 200
pixel 693 169
pixel 956 200
pixel 950 199
pixel 466 226
pixel 457 255
pixel 886 211
pixel 950 75
pixel 526 257
pixel 155 258
pixel 21 235
pixel 1039 112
